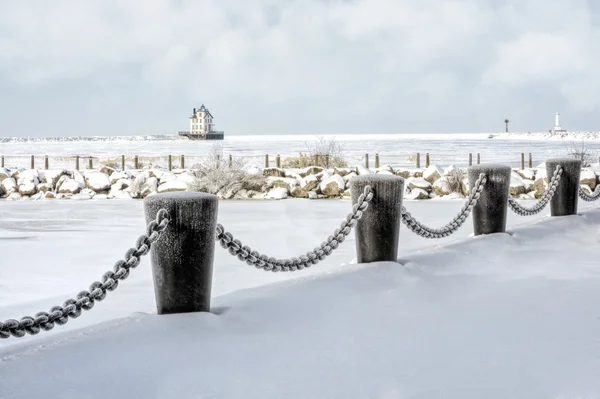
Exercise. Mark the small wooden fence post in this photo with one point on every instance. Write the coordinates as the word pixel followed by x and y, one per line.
pixel 522 160
pixel 76 162
pixel 530 161
pixel 230 161
pixel 136 163
pixel 32 162
pixel 123 162
pixel 376 161
pixel 278 161
pixel 182 161
pixel 327 161
pixel 266 160
pixel 367 161
pixel 170 163
pixel 91 163
pixel 418 160
pixel 427 160
pixel 478 158
pixel 2 161
pixel 470 159
pixel 46 162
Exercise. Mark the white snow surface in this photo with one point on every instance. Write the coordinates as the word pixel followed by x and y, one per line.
pixel 507 315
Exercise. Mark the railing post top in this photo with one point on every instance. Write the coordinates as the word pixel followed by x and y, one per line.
pixel 564 162
pixel 489 167
pixel 182 197
pixel 374 178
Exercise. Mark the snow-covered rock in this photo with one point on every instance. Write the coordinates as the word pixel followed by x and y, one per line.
pixel 384 168
pixel 81 196
pixel 284 182
pixel 418 193
pixel 312 195
pixel 49 195
pixel 253 170
pixel 70 186
pixel 14 196
pixel 149 187
pixel 348 177
pixel 384 172
pixel 441 186
pixel 432 173
pixel 167 177
pixel 311 170
pixel 100 197
pixel 37 196
pixel 172 185
pixel 97 181
pixel 419 182
pixel 309 183
pixel 4 174
pixel 452 169
pixel 277 193
pixel 277 172
pixel 297 192
pixel 78 177
pixel 526 174
pixel 43 187
pixel 155 172
pixel 333 186
pixel 342 171
pixel 187 177
pixel 588 178
pixel 9 185
pixel 119 194
pixel 361 170
pixel 27 183
pixel 405 173
pixel 517 186
pixel 107 170
pixel 119 175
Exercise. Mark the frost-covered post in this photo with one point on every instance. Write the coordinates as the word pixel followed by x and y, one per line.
pixel 182 161
pixel 266 160
pixel 170 163
pixel 46 163
pixel 418 160
pixel 376 161
pixel 530 161
pixel 378 231
pixel 427 160
pixel 564 201
pixel 135 162
pixel 182 260
pixel 278 161
pixel 76 162
pixel 489 214
pixel 32 162
pixel 91 163
pixel 2 161
pixel 478 158
pixel 367 161
pixel 123 162
pixel 470 159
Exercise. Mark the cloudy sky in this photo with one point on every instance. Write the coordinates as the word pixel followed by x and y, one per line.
pixel 127 67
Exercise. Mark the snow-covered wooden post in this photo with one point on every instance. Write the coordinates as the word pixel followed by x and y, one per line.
pixel 46 162
pixel 90 162
pixel 564 201
pixel 123 162
pixel 182 259
pixel 489 214
pixel 170 163
pixel 367 161
pixel 378 231
pixel 182 161
pixel 2 161
pixel 32 162
pixel 76 162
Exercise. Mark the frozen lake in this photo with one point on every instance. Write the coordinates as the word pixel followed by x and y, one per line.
pixel 394 149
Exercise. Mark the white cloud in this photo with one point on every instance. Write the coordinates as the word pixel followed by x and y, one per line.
pixel 400 64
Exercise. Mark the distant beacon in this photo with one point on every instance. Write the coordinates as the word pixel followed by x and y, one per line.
pixel 202 126
pixel 557 127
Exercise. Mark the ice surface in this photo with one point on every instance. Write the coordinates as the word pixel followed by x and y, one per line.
pixel 508 315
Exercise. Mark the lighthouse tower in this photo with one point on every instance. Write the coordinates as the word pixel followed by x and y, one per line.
pixel 557 127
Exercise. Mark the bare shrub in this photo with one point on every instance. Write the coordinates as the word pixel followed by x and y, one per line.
pixel 321 152
pixel 216 175
pixel 581 152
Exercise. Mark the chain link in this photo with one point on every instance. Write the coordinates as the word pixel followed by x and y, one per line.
pixel 541 204
pixel 589 197
pixel 253 258
pixel 97 292
pixel 427 232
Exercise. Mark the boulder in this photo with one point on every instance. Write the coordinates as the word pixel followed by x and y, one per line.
pixel 78 177
pixel 27 183
pixel 333 186
pixel 277 172
pixel 36 197
pixel 384 168
pixel 588 178
pixel 187 177
pixel 441 187
pixel 172 185
pixel 167 177
pixel 119 194
pixel 405 173
pixel 539 186
pixel 312 195
pixel 297 192
pixel 419 182
pixel 432 173
pixel 309 183
pixel 311 170
pixel 416 173
pixel 100 197
pixel 44 187
pixel 361 170
pixel 517 186
pixel 526 174
pixel 4 174
pixel 70 186
pixel 97 181
pixel 60 181
pixel 452 169
pixel 384 172
pixel 87 191
pixel 14 196
pixel 277 193
pixel 349 176
pixel 253 170
pixel 2 191
pixel 346 194
pixel 586 189
pixel 121 184
pixel 155 172
pixel 119 175
pixel 107 170
pixel 418 193
pixel 9 186
pixel 49 195
pixel 284 182
pixel 342 171
pixel 149 187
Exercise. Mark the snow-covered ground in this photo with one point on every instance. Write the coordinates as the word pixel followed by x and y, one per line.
pixel 508 315
pixel 394 149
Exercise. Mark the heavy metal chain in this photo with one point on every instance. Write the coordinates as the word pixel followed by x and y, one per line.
pixel 253 258
pixel 589 197
pixel 541 204
pixel 98 290
pixel 427 232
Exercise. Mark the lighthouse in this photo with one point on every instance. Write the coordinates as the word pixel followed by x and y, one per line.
pixel 557 127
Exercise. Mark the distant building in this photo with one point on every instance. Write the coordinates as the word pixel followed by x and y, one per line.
pixel 202 126
pixel 557 127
